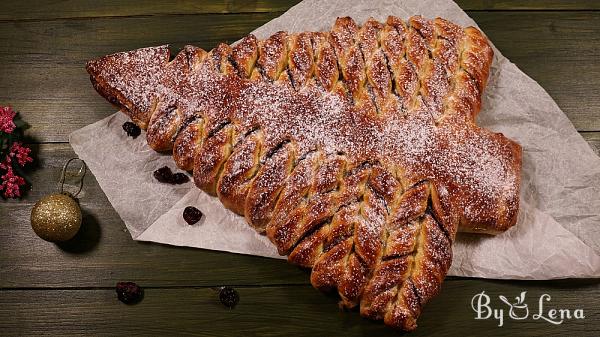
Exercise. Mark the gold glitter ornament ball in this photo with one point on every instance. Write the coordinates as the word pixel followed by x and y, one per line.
pixel 56 217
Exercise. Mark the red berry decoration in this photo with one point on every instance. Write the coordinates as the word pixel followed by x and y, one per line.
pixel 191 215
pixel 229 297
pixel 129 292
pixel 131 129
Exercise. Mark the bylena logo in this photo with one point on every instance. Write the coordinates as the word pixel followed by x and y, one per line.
pixel 519 310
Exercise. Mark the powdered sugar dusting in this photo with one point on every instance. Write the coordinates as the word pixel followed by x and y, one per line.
pixel 457 154
pixel 420 127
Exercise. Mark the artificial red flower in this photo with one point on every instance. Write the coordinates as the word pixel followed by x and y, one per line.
pixel 7 114
pixel 13 154
pixel 11 184
pixel 21 153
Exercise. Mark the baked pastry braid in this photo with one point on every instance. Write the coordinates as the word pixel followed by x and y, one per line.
pixel 355 151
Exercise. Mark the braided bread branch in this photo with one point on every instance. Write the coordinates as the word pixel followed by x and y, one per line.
pixel 355 150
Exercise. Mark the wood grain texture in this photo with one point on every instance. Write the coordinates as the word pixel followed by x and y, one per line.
pixel 282 311
pixel 70 9
pixel 42 63
pixel 103 252
pixel 557 49
pixel 528 5
pixel 46 289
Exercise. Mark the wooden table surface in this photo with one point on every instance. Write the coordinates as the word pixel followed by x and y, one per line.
pixel 69 289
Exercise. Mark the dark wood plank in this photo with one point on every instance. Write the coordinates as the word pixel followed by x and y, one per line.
pixel 286 311
pixel 43 75
pixel 104 252
pixel 553 5
pixel 42 63
pixel 51 10
pixel 557 49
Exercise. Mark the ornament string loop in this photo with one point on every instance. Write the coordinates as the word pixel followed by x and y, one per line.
pixel 79 175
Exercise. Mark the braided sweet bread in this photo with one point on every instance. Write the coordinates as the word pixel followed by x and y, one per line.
pixel 355 150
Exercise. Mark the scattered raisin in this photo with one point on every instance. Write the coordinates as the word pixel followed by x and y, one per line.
pixel 191 215
pixel 163 174
pixel 129 292
pixel 179 178
pixel 131 129
pixel 229 297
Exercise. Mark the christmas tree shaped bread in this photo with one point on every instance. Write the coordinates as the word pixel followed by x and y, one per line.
pixel 355 151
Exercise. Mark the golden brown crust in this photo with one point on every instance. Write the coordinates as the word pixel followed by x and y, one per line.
pixel 131 96
pixel 355 150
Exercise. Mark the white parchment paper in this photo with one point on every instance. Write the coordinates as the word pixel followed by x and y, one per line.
pixel 558 231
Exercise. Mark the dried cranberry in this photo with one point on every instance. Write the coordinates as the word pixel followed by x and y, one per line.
pixel 191 215
pixel 163 174
pixel 131 129
pixel 179 178
pixel 229 297
pixel 129 292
